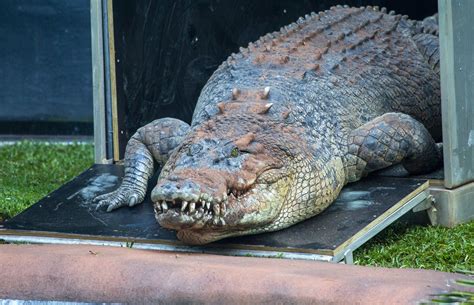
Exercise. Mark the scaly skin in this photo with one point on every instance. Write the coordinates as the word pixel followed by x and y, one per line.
pixel 283 125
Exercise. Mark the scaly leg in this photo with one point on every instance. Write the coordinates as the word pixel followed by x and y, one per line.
pixel 155 140
pixel 390 139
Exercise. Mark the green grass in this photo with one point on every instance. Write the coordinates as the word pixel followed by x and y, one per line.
pixel 29 171
pixel 436 248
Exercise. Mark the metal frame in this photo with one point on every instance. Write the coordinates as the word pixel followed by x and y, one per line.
pixel 98 82
pixel 164 247
pixel 108 90
pixel 104 84
pixel 457 89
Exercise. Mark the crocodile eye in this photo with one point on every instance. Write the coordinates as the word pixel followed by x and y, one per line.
pixel 235 152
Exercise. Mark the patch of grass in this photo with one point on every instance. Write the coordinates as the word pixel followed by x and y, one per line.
pixel 437 248
pixel 31 170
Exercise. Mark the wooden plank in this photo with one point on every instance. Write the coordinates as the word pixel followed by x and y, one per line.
pixel 457 89
pixel 113 81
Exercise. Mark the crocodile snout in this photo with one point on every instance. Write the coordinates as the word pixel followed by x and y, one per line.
pixel 171 190
pixel 184 203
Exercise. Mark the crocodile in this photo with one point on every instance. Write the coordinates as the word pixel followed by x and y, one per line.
pixel 282 125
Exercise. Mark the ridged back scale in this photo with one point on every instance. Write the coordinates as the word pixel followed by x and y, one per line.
pixel 335 71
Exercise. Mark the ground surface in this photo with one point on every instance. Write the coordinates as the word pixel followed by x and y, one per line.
pixel 29 171
pixel 162 277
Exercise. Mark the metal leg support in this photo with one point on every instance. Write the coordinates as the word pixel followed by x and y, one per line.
pixel 348 257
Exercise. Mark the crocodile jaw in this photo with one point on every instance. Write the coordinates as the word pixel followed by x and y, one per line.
pixel 201 221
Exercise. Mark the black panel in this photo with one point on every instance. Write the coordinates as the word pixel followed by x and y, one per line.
pixel 46 128
pixel 45 70
pixel 166 50
pixel 69 211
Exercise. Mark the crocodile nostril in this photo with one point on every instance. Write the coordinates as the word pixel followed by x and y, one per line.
pixel 173 178
pixel 164 192
pixel 183 190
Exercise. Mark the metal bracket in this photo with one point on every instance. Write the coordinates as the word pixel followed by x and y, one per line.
pixel 425 204
pixel 428 205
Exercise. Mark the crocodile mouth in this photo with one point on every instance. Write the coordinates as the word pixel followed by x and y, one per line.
pixel 186 214
pixel 199 211
pixel 204 207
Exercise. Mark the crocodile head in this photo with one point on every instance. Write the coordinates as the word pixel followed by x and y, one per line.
pixel 242 172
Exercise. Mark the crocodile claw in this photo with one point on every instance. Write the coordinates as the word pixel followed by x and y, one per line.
pixel 118 198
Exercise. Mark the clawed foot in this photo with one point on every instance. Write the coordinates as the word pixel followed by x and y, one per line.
pixel 123 196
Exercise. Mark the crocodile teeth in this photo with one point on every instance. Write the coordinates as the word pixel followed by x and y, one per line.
pixel 215 220
pixel 183 207
pixel 222 221
pixel 208 205
pixel 192 207
pixel 216 209
pixel 164 206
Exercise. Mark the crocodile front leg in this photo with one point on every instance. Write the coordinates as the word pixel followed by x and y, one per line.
pixel 154 140
pixel 391 139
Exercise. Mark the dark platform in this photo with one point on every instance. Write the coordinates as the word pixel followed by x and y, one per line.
pixel 361 211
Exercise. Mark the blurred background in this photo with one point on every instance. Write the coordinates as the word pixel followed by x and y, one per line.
pixel 45 68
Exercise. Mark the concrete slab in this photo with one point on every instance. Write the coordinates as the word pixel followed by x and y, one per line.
pixel 109 274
